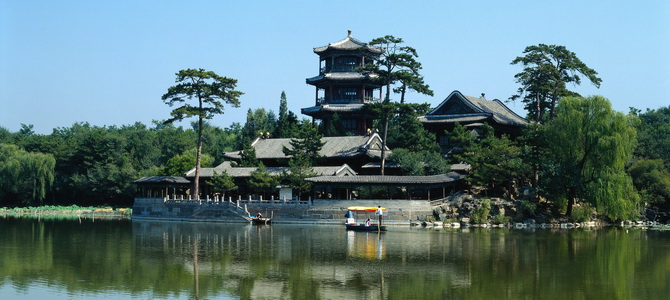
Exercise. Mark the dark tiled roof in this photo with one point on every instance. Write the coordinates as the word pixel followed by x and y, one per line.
pixel 340 76
pixel 274 171
pixel 454 118
pixel 481 109
pixel 163 179
pixel 393 180
pixel 348 43
pixel 334 147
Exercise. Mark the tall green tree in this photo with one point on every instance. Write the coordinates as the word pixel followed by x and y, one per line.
pixel 259 123
pixel 222 182
pixel 303 153
pixel 210 91
pixel 25 177
pixel 588 147
pixel 384 111
pixel 547 70
pixel 262 181
pixel 406 131
pixel 287 121
pixel 248 157
pixel 299 169
pixel 398 64
pixel 307 145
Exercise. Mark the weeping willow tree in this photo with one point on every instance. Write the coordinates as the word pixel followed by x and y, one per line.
pixel 25 177
pixel 588 147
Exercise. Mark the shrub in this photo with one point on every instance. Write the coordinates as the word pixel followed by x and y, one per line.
pixel 582 213
pixel 528 207
pixel 481 213
pixel 501 219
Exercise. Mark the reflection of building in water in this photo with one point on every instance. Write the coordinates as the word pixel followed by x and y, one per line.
pixel 367 245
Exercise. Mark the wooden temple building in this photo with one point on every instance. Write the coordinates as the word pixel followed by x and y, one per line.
pixel 341 87
pixel 471 112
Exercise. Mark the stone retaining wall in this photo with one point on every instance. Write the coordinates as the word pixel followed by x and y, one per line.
pixel 319 211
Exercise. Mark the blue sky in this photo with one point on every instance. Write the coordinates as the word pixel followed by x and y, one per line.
pixel 109 62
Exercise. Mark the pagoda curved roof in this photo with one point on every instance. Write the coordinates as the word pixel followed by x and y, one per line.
pixel 349 43
pixel 340 76
pixel 332 108
pixel 460 108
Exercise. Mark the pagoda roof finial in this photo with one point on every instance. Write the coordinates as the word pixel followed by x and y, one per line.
pixel 349 34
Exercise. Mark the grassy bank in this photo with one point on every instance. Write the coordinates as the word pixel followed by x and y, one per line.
pixel 72 211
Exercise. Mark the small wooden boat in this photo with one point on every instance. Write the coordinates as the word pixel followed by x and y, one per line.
pixel 362 227
pixel 261 221
pixel 367 226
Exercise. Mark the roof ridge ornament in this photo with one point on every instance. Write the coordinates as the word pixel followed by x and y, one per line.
pixel 349 33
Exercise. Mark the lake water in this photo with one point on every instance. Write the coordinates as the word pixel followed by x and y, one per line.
pixel 94 259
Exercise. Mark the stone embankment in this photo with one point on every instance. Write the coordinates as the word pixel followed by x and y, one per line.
pixel 463 210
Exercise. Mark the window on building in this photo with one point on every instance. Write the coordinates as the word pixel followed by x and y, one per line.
pixel 349 124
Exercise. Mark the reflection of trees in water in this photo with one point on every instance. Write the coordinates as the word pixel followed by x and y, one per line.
pixel 304 261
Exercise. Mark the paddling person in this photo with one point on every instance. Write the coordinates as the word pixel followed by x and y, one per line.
pixel 259 215
pixel 379 212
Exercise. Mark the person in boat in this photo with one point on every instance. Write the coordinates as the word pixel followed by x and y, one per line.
pixel 259 215
pixel 379 212
pixel 368 223
pixel 350 218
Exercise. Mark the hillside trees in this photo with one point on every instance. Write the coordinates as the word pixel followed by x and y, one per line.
pixel 210 91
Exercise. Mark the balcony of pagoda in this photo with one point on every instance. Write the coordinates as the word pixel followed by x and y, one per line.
pixel 339 68
pixel 346 100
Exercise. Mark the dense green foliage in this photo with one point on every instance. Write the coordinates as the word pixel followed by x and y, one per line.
pixel 419 163
pixel 651 169
pixel 497 162
pixel 405 131
pixel 25 177
pixel 588 148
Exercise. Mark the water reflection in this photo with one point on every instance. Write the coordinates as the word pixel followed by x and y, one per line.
pixel 170 260
pixel 367 245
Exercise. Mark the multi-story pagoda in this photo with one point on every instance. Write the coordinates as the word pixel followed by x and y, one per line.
pixel 341 87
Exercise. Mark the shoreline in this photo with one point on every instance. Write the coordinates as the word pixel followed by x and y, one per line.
pixel 67 212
